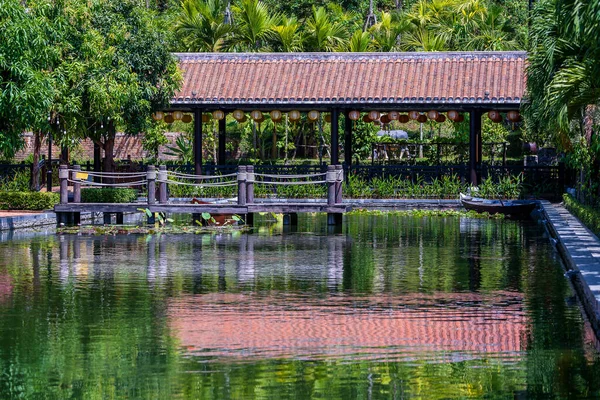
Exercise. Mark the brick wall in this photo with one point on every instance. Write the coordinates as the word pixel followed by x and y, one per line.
pixel 125 146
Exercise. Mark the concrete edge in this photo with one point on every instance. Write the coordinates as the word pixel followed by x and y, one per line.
pixel 588 299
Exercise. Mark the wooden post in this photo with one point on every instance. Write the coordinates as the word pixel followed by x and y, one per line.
pixel 162 184
pixel 63 176
pixel 222 141
pixel 241 179
pixel 151 178
pixel 335 136
pixel 330 179
pixel 475 147
pixel 198 141
pixel 250 184
pixel 339 179
pixel 348 141
pixel 76 184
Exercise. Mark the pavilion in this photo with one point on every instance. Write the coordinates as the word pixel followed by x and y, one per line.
pixel 352 84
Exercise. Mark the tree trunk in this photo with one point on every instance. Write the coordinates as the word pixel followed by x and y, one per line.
pixel 35 168
pixel 109 146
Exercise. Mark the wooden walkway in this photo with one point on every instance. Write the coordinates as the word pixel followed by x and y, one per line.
pixel 156 183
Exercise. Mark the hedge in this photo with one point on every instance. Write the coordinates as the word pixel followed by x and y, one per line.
pixel 28 200
pixel 108 195
pixel 589 216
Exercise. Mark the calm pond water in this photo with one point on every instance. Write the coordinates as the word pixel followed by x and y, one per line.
pixel 393 307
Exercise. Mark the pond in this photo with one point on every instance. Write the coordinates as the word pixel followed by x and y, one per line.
pixel 391 307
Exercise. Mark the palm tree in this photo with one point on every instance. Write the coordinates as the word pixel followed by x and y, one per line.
pixel 202 25
pixel 322 33
pixel 360 42
pixel 287 36
pixel 387 33
pixel 255 26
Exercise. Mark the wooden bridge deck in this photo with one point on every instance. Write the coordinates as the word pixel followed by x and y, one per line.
pixel 179 208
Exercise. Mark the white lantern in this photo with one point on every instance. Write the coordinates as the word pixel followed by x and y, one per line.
pixel 294 115
pixel 218 115
pixel 313 115
pixel 157 116
pixel 238 115
pixel 374 115
pixel 354 115
pixel 393 115
pixel 275 115
pixel 177 115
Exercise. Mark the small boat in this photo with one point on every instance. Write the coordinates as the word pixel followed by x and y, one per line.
pixel 513 208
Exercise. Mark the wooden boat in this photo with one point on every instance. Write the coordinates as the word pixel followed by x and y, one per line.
pixel 513 208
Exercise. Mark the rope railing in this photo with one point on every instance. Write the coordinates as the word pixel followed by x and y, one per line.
pixel 245 179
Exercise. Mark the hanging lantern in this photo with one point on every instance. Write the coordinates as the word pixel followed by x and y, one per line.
pixel 313 115
pixel 513 116
pixel 385 119
pixel 414 115
pixel 422 118
pixel 354 115
pixel 440 118
pixel 393 115
pixel 460 118
pixel 157 116
pixel 294 115
pixel 169 119
pixel 206 118
pixel 177 115
pixel 433 114
pixel 374 115
pixel 328 118
pixel 256 114
pixel 453 115
pixel 260 120
pixel 238 115
pixel 275 115
pixel 243 119
pixel 218 115
pixel 187 118
pixel 366 118
pixel 495 116
pixel 403 118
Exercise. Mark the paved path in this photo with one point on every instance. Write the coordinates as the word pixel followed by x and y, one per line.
pixel 580 249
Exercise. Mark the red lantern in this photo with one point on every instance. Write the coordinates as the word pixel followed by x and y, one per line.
pixel 495 116
pixel 440 118
pixel 513 116
pixel 169 119
pixel 385 119
pixel 366 118
pixel 403 118
pixel 433 114
pixel 460 118
pixel 453 115
pixel 422 118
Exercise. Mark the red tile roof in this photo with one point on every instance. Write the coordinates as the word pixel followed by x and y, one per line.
pixel 392 79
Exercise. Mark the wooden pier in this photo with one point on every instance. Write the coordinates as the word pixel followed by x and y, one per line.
pixel 156 185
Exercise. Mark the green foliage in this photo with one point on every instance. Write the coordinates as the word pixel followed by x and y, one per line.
pixel 428 213
pixel 19 182
pixel 507 187
pixel 589 216
pixel 28 200
pixel 108 195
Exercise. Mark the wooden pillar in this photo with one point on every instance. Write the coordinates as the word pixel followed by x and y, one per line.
pixel 97 162
pixel 76 184
pixel 339 180
pixel 198 142
pixel 348 141
pixel 63 176
pixel 475 147
pixel 250 184
pixel 241 179
pixel 151 179
pixel 162 184
pixel 335 137
pixel 222 140
pixel 331 181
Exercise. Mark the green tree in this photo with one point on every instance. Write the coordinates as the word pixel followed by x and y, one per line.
pixel 287 36
pixel 323 34
pixel 26 86
pixel 254 25
pixel 202 26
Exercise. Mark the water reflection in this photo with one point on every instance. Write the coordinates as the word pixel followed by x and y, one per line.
pixel 392 307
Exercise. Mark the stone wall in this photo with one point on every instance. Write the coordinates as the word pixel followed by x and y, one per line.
pixel 125 147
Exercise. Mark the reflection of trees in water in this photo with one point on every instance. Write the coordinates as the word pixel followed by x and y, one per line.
pixel 87 315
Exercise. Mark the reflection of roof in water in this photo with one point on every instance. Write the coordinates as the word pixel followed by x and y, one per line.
pixel 239 325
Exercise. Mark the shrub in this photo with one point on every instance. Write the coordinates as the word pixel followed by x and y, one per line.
pixel 19 182
pixel 589 216
pixel 28 200
pixel 108 195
